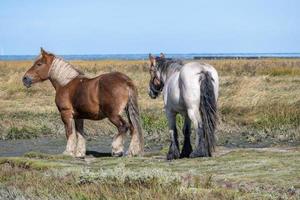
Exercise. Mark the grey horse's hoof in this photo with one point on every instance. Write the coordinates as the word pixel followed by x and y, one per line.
pixel 171 156
pixel 198 153
pixel 186 152
pixel 173 153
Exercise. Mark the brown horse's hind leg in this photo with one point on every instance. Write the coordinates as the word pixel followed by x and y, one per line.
pixel 118 140
pixel 81 146
pixel 134 147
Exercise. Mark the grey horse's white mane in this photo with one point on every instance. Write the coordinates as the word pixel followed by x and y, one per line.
pixel 63 72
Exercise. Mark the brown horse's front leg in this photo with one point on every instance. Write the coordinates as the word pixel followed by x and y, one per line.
pixel 70 128
pixel 118 140
pixel 81 146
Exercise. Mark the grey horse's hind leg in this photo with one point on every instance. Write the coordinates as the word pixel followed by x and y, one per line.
pixel 201 149
pixel 174 146
pixel 201 146
pixel 187 147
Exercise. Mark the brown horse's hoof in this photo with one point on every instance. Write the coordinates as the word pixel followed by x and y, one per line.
pixel 130 154
pixel 117 154
pixel 80 154
pixel 134 152
pixel 68 153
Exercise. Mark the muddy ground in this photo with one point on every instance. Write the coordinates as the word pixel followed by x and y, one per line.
pixel 96 146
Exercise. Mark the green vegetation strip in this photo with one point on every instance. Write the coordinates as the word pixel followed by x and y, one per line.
pixel 238 174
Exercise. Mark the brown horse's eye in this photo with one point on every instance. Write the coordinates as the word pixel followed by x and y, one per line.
pixel 39 64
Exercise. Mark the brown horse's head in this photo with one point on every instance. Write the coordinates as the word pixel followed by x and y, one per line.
pixel 155 84
pixel 40 69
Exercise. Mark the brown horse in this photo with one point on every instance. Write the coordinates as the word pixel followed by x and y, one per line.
pixel 78 98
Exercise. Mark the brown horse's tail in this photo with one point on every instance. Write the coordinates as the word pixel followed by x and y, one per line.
pixel 133 115
pixel 208 110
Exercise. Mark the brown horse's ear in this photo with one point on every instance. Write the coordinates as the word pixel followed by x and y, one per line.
pixel 162 55
pixel 43 52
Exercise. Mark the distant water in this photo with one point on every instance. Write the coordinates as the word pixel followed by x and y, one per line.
pixel 145 56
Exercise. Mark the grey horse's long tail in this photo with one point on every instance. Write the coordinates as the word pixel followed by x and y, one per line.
pixel 133 114
pixel 208 110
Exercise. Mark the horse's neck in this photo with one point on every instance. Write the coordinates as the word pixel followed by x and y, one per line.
pixel 168 72
pixel 62 72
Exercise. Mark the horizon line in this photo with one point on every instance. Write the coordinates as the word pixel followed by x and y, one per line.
pixel 94 54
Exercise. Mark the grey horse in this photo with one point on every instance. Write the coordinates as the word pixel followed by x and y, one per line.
pixel 190 90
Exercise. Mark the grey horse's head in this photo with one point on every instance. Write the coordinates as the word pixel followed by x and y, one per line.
pixel 156 84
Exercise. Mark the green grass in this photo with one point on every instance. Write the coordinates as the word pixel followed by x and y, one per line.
pixel 44 156
pixel 238 174
pixel 28 164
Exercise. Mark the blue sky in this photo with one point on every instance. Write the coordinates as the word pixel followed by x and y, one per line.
pixel 138 26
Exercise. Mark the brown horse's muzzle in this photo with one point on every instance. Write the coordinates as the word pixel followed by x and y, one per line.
pixel 27 81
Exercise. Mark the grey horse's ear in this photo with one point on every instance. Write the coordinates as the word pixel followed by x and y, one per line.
pixel 162 55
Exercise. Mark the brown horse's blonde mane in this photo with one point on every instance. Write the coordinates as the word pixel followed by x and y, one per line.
pixel 78 70
pixel 62 71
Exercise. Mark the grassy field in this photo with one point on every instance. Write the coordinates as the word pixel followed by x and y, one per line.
pixel 259 106
pixel 259 101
